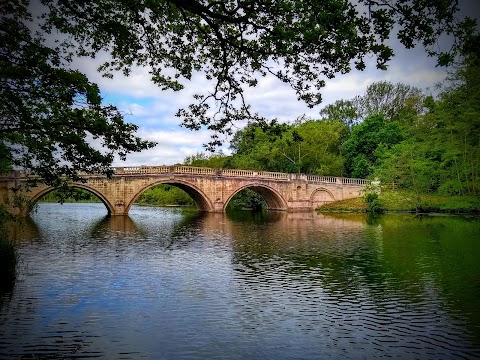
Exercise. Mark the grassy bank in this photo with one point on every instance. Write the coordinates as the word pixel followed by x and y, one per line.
pixel 404 201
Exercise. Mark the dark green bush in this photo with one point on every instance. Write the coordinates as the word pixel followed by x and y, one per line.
pixel 374 204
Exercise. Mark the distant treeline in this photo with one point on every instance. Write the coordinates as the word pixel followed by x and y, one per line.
pixel 73 195
pixel 165 195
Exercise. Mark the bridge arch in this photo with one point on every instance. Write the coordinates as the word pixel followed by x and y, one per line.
pixel 38 195
pixel 201 200
pixel 321 196
pixel 272 197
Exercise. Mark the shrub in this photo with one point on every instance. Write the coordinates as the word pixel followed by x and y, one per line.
pixel 374 204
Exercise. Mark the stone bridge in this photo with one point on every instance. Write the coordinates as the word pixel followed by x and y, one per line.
pixel 211 189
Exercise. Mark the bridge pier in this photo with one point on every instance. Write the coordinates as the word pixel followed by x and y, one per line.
pixel 299 206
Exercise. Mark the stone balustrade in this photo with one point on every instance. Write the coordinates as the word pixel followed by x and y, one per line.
pixel 238 173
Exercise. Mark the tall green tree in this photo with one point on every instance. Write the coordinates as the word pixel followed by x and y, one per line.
pixel 346 111
pixel 313 147
pixel 368 142
pixel 256 146
pixel 412 164
pixel 399 101
pixel 234 43
pixel 458 113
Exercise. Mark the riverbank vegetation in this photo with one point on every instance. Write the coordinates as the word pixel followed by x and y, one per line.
pixel 165 195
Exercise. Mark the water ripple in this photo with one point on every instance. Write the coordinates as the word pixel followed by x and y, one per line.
pixel 162 284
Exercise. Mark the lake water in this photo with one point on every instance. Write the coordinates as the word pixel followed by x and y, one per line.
pixel 169 284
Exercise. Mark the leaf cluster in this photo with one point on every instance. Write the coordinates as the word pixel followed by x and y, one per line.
pixel 52 120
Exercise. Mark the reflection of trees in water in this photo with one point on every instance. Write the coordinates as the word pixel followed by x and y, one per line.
pixel 263 216
pixel 438 253
pixel 399 255
pixel 6 292
pixel 187 230
pixel 315 246
pixel 23 229
pixel 19 231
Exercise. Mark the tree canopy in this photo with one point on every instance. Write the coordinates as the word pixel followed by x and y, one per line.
pixel 367 141
pixel 234 43
pixel 50 115
pixel 441 151
pixel 394 101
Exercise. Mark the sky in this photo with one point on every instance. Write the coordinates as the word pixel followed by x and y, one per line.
pixel 153 110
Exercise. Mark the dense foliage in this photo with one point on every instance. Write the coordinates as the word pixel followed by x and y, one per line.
pixel 368 141
pixel 441 152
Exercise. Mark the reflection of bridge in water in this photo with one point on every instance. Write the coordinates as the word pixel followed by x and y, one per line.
pixel 283 227
pixel 211 189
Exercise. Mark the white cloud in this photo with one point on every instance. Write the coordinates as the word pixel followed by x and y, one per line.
pixel 173 146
